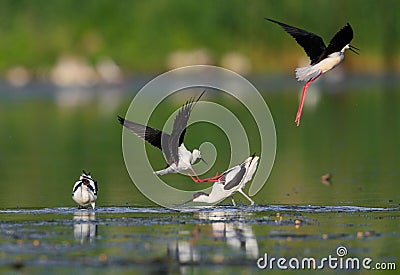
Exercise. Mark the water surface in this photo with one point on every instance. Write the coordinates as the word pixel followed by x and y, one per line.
pixel 119 240
pixel 351 132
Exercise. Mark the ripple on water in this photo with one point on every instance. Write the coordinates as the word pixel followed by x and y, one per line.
pixel 226 208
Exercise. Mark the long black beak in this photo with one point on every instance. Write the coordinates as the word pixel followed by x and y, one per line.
pixel 354 49
pixel 203 161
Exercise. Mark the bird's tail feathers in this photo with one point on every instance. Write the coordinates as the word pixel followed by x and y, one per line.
pixel 306 73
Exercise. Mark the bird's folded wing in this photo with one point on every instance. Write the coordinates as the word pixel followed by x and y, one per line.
pixel 237 178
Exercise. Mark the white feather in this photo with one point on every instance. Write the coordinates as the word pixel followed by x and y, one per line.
pixel 218 192
pixel 83 195
pixel 307 72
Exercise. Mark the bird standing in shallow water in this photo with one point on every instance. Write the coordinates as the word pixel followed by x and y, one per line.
pixel 177 156
pixel 322 58
pixel 85 190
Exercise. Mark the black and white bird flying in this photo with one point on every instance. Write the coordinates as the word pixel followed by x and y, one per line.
pixel 177 156
pixel 323 58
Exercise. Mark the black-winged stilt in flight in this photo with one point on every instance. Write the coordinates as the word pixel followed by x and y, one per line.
pixel 177 156
pixel 322 58
pixel 230 182
pixel 85 190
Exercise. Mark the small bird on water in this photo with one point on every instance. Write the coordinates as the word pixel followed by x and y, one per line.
pixel 178 157
pixel 322 58
pixel 229 182
pixel 85 190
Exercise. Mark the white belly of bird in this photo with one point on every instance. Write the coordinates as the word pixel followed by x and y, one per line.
pixel 219 193
pixel 329 63
pixel 83 196
pixel 184 158
pixel 311 71
pixel 183 165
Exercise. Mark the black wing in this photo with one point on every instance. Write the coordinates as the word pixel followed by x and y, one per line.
pixel 179 128
pixel 151 135
pixel 237 179
pixel 76 187
pixel 312 44
pixel 96 186
pixel 341 39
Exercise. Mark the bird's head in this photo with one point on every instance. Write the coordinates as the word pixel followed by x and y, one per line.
pixel 351 48
pixel 197 197
pixel 196 154
pixel 88 181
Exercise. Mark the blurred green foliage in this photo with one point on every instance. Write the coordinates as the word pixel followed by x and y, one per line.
pixel 140 35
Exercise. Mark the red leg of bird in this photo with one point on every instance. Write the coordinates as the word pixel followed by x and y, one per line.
pixel 213 179
pixel 195 174
pixel 303 97
pixel 197 179
pixel 193 178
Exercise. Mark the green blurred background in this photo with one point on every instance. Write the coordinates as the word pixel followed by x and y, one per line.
pixel 141 35
pixel 68 68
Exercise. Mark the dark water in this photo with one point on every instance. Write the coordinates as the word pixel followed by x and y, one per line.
pixel 224 239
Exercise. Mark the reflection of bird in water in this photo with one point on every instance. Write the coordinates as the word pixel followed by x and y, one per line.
pixel 226 227
pixel 240 236
pixel 230 182
pixel 85 190
pixel 85 228
pixel 172 146
pixel 322 58
pixel 183 251
pixel 237 234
